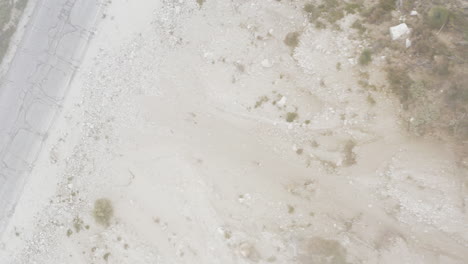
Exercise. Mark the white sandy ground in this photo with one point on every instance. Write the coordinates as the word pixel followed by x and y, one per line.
pixel 161 119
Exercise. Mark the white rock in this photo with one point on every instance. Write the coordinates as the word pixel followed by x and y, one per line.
pixel 282 101
pixel 414 13
pixel 397 32
pixel 408 43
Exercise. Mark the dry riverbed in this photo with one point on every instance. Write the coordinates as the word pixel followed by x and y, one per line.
pixel 234 132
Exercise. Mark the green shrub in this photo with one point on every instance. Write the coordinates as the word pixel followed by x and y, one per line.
pixel 292 39
pixel 366 57
pixel 103 211
pixel 438 16
pixel 291 116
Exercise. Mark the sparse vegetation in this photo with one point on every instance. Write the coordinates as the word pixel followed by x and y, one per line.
pixel 106 256
pixel 261 101
pixel 6 9
pixel 21 4
pixel 371 100
pixel 366 57
pixel 352 8
pixel 292 39
pixel 8 23
pixel 291 116
pixel 380 12
pixel 78 224
pixel 330 11
pixel 359 26
pixel 200 2
pixel 338 66
pixel 103 211
pixel 399 82
pixel 438 16
pixel 387 5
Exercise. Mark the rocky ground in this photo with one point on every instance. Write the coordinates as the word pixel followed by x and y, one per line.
pixel 235 132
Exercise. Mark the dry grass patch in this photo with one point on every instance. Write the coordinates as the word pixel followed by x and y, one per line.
pixel 366 57
pixel 292 39
pixel 291 116
pixel 103 211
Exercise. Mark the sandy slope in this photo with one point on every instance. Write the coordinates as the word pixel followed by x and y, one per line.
pixel 172 119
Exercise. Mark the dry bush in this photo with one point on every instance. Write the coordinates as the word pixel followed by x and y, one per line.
pixel 426 43
pixel 366 57
pixel 103 211
pixel 291 116
pixel 438 16
pixel 400 82
pixel 292 39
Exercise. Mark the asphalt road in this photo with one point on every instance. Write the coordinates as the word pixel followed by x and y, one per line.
pixel 34 88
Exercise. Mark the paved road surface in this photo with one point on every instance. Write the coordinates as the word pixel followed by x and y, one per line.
pixel 35 85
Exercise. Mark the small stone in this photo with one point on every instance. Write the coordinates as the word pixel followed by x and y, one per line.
pixel 408 43
pixel 414 13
